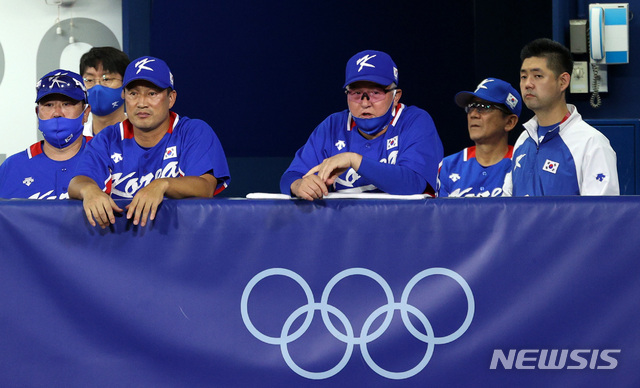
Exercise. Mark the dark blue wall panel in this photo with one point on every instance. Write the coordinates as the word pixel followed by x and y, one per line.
pixel 264 74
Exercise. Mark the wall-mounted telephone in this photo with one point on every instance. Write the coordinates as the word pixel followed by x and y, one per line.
pixel 607 43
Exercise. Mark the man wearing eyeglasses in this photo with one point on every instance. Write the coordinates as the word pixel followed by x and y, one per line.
pixel 478 171
pixel 377 145
pixel 558 153
pixel 43 171
pixel 102 69
pixel 151 155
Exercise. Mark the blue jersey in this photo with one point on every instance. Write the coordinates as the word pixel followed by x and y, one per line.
pixel 121 167
pixel 31 174
pixel 403 160
pixel 461 175
pixel 571 159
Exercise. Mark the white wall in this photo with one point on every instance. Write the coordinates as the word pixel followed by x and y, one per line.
pixel 29 45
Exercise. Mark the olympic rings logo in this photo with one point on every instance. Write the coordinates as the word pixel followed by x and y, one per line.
pixel 365 337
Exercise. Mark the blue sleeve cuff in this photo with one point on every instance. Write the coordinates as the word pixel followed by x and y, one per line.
pixel 287 179
pixel 392 179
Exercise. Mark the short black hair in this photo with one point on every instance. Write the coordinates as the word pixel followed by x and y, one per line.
pixel 112 60
pixel 558 56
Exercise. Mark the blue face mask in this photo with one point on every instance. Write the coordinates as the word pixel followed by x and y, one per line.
pixel 376 124
pixel 104 100
pixel 61 132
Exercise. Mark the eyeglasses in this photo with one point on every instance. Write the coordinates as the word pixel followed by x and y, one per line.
pixel 373 95
pixel 109 82
pixel 484 108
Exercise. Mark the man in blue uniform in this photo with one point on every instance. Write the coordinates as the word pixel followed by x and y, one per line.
pixel 43 171
pixel 478 171
pixel 153 154
pixel 558 153
pixel 377 145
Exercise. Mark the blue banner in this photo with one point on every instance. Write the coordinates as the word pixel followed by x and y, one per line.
pixel 524 292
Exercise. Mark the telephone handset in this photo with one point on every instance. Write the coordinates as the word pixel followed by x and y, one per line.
pixel 596 33
pixel 608 43
pixel 596 50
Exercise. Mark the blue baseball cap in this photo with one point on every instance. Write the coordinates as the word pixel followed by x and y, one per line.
pixel 496 91
pixel 63 82
pixel 373 66
pixel 150 69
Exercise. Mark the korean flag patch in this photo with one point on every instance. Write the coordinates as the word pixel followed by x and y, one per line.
pixel 170 153
pixel 512 101
pixel 392 143
pixel 550 166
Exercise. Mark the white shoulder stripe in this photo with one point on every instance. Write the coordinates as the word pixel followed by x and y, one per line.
pixel 398 113
pixel 175 122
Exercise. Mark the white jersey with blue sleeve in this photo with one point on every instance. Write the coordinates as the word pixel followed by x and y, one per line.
pixel 460 175
pixel 121 167
pixel 572 159
pixel 31 174
pixel 403 160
